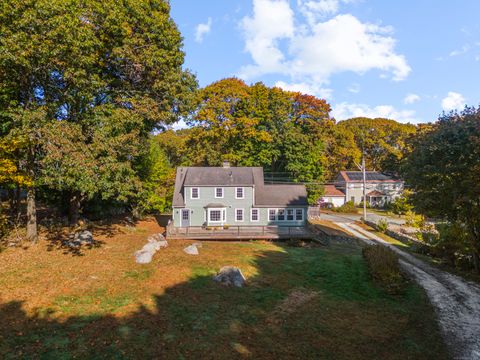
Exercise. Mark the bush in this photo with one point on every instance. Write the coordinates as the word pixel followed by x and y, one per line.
pixel 382 225
pixel 401 205
pixel 384 268
pixel 414 220
pixel 452 245
pixel 348 207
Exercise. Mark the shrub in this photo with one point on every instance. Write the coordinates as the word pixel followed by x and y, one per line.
pixel 414 220
pixel 384 268
pixel 348 207
pixel 401 205
pixel 382 225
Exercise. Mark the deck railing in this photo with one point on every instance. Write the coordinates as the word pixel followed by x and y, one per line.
pixel 233 232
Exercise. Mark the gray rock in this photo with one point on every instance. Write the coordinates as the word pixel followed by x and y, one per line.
pixel 143 257
pixel 230 276
pixel 191 250
pixel 83 237
pixel 155 243
pixel 158 239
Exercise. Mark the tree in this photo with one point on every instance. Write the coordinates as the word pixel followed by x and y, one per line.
pixel 92 65
pixel 443 171
pixel 384 141
pixel 281 131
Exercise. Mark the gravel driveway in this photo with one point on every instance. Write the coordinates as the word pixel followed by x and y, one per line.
pixel 456 300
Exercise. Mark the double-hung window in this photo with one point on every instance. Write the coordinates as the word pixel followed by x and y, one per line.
pixel 272 214
pixel 299 214
pixel 254 215
pixel 290 215
pixel 219 193
pixel 216 215
pixel 239 215
pixel 281 215
pixel 195 193
pixel 239 193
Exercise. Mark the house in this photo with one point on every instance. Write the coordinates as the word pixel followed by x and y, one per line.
pixel 333 196
pixel 380 188
pixel 234 197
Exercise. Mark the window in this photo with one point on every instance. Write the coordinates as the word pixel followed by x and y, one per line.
pixel 219 193
pixel 290 215
pixel 281 214
pixel 272 214
pixel 195 194
pixel 299 214
pixel 215 215
pixel 185 214
pixel 239 215
pixel 239 193
pixel 254 215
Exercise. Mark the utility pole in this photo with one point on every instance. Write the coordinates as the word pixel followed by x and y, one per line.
pixel 364 188
pixel 363 169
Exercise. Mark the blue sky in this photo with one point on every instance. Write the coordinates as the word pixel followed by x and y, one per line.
pixel 406 59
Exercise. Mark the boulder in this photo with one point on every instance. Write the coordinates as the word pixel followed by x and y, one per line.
pixel 155 243
pixel 230 276
pixel 159 239
pixel 83 237
pixel 143 257
pixel 191 250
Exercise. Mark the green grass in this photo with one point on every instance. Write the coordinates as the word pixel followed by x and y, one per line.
pixel 349 317
pixel 99 299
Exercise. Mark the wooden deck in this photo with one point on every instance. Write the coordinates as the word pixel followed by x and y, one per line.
pixel 239 232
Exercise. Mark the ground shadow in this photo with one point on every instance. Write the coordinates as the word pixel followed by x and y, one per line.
pixel 336 313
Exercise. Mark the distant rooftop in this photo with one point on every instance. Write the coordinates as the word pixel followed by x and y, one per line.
pixel 376 176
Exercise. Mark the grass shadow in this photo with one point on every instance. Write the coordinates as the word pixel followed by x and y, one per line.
pixel 304 303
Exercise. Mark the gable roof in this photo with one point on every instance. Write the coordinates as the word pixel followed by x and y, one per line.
pixel 373 176
pixel 211 176
pixel 265 195
pixel 332 191
pixel 281 195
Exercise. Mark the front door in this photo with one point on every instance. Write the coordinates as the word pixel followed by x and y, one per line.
pixel 185 218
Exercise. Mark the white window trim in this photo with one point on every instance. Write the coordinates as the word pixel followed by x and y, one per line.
pixel 243 193
pixel 243 215
pixel 223 193
pixel 191 193
pixel 258 215
pixel 303 214
pixel 276 212
pixel 293 214
pixel 284 214
pixel 223 215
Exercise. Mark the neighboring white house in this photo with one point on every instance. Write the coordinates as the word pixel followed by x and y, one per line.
pixel 380 188
pixel 333 196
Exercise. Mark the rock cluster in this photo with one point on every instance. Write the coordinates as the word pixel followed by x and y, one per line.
pixel 230 276
pixel 155 243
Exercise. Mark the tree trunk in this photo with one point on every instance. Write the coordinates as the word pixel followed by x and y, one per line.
pixel 74 208
pixel 32 234
pixel 476 261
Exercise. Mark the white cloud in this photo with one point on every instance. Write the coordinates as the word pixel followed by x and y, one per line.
pixel 311 52
pixel 354 88
pixel 411 98
pixel 203 29
pixel 315 10
pixel 460 51
pixel 272 20
pixel 345 111
pixel 453 101
pixel 305 88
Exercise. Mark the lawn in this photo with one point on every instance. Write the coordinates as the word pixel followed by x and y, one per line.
pixel 307 303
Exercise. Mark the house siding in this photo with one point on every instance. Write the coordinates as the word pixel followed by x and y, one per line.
pixel 198 213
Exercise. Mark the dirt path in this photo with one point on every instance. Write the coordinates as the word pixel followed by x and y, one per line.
pixel 456 300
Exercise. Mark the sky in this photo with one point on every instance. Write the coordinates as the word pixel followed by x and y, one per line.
pixel 407 60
